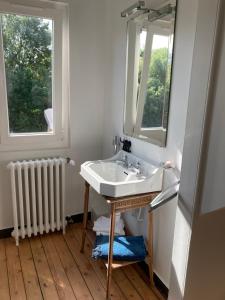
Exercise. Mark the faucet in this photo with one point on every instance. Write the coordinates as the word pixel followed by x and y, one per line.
pixel 138 167
pixel 125 161
pixel 116 144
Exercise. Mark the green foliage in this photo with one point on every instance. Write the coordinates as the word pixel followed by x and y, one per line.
pixel 157 96
pixel 27 54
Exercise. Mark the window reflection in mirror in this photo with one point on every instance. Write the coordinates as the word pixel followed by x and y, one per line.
pixel 149 74
pixel 142 42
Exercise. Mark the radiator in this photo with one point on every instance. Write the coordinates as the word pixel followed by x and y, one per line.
pixel 38 196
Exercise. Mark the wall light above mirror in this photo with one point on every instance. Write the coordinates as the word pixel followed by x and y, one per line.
pixel 150 45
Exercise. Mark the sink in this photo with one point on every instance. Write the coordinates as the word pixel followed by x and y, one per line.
pixel 122 175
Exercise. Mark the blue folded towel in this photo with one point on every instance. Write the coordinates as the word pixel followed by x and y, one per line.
pixel 124 248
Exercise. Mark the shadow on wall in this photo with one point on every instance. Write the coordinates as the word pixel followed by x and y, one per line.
pixel 179 258
pixel 206 261
pixel 206 268
pixel 176 292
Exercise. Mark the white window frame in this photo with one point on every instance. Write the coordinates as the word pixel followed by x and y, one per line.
pixel 60 80
pixel 134 107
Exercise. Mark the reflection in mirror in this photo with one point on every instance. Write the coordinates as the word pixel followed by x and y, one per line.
pixel 149 70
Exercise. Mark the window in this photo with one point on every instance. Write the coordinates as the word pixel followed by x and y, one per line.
pixel 157 95
pixel 33 76
pixel 154 81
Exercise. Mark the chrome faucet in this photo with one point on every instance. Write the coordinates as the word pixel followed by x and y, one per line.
pixel 116 144
pixel 125 161
pixel 138 167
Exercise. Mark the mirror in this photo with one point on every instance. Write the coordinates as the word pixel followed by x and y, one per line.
pixel 150 41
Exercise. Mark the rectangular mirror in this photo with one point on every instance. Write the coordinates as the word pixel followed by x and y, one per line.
pixel 150 41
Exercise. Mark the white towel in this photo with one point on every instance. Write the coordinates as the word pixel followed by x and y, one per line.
pixel 107 233
pixel 102 226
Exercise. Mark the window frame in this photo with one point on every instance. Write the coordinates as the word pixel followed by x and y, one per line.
pixel 60 80
pixel 158 133
pixel 134 106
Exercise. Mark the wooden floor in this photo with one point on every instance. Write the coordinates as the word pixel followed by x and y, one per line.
pixel 52 267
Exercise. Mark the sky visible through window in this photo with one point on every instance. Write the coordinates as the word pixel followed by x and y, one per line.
pixel 158 43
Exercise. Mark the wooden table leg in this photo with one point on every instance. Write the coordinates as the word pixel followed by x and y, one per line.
pixel 110 255
pixel 85 217
pixel 150 247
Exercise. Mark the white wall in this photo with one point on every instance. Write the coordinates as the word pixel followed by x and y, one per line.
pixel 194 273
pixel 205 269
pixel 97 52
pixel 86 107
pixel 214 189
pixel 114 103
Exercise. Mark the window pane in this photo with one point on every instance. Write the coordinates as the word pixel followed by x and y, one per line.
pixel 158 85
pixel 27 43
pixel 142 41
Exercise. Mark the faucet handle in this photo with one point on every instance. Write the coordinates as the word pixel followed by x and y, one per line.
pixel 138 165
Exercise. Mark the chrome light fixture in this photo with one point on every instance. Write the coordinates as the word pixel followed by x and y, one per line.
pixel 138 6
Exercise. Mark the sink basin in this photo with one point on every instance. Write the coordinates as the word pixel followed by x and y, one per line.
pixel 122 175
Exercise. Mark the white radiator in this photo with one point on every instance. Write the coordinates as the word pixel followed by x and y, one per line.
pixel 38 196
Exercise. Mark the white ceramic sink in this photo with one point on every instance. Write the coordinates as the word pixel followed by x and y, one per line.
pixel 116 178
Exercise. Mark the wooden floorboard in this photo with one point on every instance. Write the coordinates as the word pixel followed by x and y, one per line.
pixel 51 267
pixel 77 282
pixel 124 283
pixel 31 282
pixel 4 281
pixel 139 284
pixel 63 286
pixel 47 283
pixel 15 275
pixel 98 266
pixel 86 269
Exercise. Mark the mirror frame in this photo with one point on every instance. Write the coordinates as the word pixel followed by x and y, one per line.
pixel 157 135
